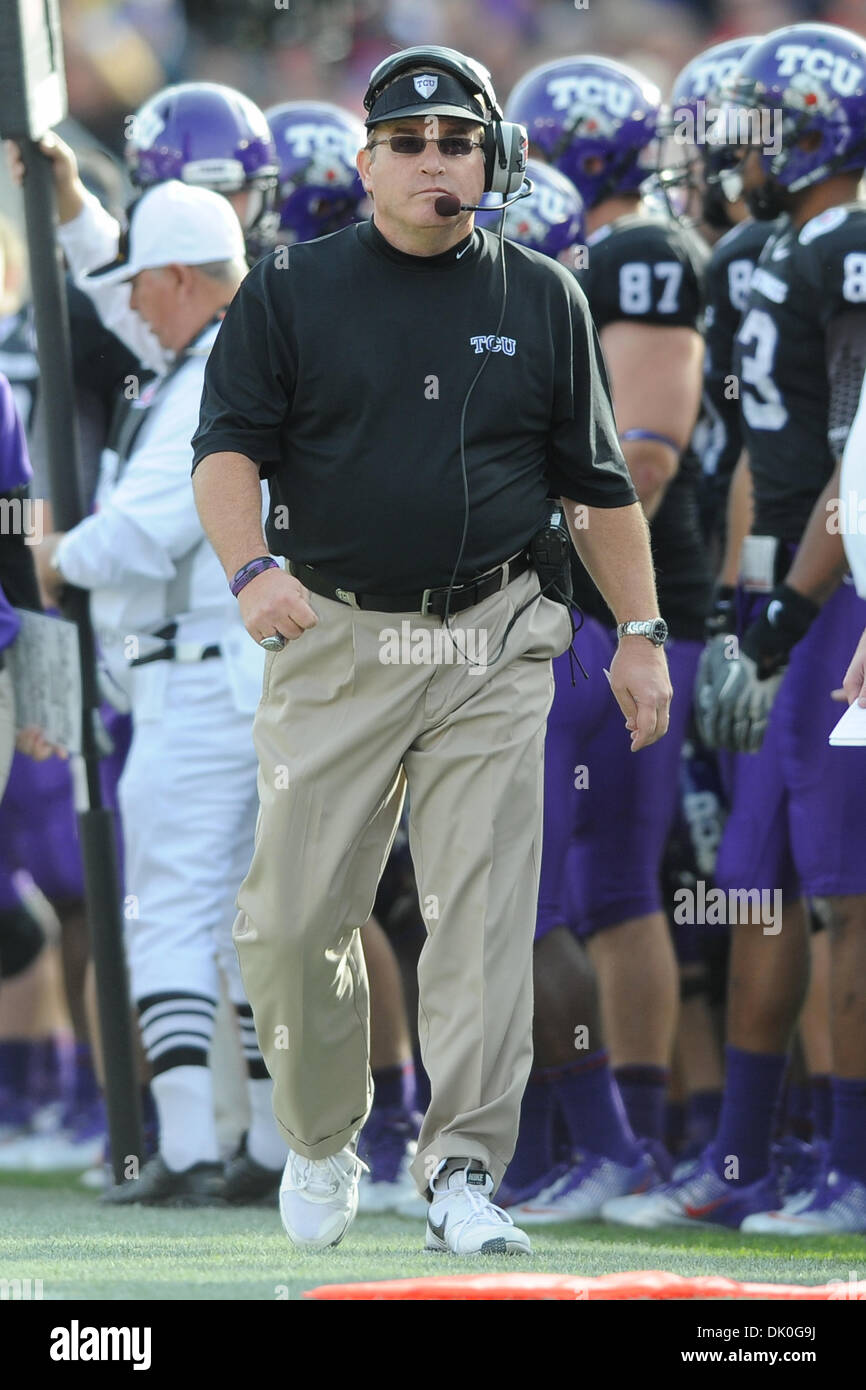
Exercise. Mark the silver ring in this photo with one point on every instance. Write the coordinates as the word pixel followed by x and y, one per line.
pixel 273 644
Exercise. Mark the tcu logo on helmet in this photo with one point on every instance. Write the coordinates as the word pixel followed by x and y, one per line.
pixel 843 76
pixel 565 92
pixel 492 343
pixel 551 205
pixel 308 140
pixel 711 76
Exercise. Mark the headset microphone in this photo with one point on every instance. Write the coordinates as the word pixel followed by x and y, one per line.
pixel 448 205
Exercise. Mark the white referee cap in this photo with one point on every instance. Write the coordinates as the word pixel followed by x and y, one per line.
pixel 174 223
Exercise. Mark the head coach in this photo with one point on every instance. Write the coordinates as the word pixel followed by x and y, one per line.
pixel 414 389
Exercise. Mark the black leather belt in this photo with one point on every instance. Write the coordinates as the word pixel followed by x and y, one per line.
pixel 431 601
pixel 176 651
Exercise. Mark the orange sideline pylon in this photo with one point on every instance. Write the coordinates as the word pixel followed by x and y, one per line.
pixel 640 1284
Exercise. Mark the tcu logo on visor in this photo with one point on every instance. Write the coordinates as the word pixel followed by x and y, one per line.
pixel 492 343
pixel 844 76
pixel 425 86
pixel 564 92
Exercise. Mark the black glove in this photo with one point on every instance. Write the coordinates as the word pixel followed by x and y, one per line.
pixel 722 616
pixel 786 618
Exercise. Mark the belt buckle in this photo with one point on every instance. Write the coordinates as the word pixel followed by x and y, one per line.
pixel 347 596
pixel 425 601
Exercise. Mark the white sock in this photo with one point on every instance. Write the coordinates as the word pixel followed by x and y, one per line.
pixel 264 1142
pixel 187 1128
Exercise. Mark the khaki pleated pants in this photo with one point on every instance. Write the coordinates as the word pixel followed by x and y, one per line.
pixel 344 726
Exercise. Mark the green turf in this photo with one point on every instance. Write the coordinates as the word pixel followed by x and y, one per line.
pixel 81 1250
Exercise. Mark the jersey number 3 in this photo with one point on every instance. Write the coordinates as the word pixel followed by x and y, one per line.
pixel 762 404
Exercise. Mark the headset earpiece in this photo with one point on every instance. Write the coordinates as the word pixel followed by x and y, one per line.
pixel 505 150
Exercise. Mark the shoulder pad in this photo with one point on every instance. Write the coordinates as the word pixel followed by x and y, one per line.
pixel 825 222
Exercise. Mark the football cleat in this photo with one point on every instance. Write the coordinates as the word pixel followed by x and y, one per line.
pixel 462 1220
pixel 835 1207
pixel 579 1193
pixel 698 1198
pixel 319 1197
pixel 511 1196
pixel 160 1186
pixel 248 1182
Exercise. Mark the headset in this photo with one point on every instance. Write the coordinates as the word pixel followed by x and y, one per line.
pixel 505 143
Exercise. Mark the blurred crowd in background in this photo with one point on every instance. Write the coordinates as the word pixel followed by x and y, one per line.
pixel 120 51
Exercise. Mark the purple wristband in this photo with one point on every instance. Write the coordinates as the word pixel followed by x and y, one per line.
pixel 250 570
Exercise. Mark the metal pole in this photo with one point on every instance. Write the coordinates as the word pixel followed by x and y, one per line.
pixel 99 853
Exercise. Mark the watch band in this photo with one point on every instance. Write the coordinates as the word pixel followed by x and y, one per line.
pixel 654 629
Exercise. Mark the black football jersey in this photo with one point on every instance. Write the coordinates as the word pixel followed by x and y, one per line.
pixel 648 269
pixel 808 290
pixel 718 439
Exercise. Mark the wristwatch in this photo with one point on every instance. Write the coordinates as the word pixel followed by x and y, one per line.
pixel 656 629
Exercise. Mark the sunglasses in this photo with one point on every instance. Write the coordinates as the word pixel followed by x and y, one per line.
pixel 449 145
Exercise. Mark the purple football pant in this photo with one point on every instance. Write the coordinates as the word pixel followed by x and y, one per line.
pixel 38 826
pixel 38 830
pixel 615 826
pixel 797 807
pixel 577 712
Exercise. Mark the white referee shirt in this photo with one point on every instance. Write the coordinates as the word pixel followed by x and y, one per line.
pixel 852 496
pixel 143 553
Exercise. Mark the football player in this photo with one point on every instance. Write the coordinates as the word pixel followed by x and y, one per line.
pixel 607 815
pixel 213 136
pixel 795 817
pixel 319 188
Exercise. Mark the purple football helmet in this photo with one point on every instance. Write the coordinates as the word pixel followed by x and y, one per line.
pixel 579 109
pixel 319 189
pixel 549 219
pixel 212 136
pixel 694 156
pixel 813 76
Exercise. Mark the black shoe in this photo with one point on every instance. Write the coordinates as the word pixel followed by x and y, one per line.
pixel 158 1185
pixel 248 1182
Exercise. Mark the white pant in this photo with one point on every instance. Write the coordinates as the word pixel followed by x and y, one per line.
pixel 7 727
pixel 188 801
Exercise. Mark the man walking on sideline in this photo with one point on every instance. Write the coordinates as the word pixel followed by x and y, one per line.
pixel 334 363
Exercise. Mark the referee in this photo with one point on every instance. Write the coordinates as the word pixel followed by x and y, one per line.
pixel 403 500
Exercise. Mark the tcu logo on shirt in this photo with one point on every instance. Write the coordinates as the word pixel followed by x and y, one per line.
pixel 492 343
pixel 566 92
pixel 843 76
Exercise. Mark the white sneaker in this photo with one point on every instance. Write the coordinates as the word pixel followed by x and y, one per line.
pixel 462 1219
pixel 319 1197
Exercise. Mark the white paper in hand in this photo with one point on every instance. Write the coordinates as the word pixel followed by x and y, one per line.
pixel 851 729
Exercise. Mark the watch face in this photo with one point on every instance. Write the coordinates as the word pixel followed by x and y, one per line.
pixel 660 631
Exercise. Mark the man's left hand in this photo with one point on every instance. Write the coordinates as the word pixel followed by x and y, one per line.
pixel 641 684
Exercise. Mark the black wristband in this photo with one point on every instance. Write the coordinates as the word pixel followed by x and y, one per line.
pixel 785 620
